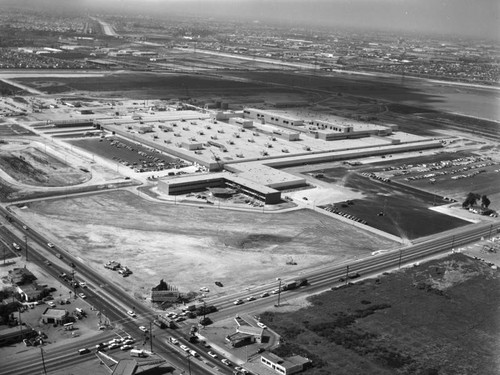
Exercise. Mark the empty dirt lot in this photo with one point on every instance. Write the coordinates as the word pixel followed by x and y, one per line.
pixel 190 246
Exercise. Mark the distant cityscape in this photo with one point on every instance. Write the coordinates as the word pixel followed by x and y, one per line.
pixel 34 40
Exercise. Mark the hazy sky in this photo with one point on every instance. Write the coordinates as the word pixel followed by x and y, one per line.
pixel 478 18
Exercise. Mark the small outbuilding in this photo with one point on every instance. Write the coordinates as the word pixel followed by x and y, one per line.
pixel 58 316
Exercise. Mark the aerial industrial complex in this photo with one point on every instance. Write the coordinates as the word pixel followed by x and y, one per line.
pixel 203 196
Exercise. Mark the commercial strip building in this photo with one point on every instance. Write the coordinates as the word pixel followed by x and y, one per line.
pixel 287 366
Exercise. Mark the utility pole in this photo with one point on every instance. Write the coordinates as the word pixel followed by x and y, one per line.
pixel 279 292
pixel 151 337
pixel 43 361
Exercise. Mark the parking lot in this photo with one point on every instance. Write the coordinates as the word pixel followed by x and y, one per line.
pixel 129 154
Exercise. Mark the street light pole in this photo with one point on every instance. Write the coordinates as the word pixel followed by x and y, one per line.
pixel 150 337
pixel 43 362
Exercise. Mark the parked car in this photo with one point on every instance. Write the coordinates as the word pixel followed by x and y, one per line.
pixel 226 362
pixel 84 351
pixel 143 329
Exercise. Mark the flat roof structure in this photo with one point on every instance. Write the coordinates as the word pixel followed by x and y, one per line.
pixel 125 367
pixel 186 184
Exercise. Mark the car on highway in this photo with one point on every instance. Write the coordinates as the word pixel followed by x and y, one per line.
pixel 114 345
pixel 25 227
pixel 194 353
pixel 174 340
pixel 84 351
pixel 265 294
pixel 100 346
pixel 251 298
pixel 184 347
pixel 212 354
pixel 238 302
pixel 131 313
pixel 83 284
pixel 126 347
pixel 82 295
pixel 275 291
pixel 51 245
pixel 143 329
pixel 71 264
pixel 47 262
pixel 226 362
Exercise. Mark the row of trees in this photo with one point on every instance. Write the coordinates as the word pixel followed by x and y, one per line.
pixel 472 199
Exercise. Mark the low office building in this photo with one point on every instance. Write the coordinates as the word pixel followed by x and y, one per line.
pixel 285 366
pixel 197 183
pixel 30 292
pixel 271 117
pixel 13 335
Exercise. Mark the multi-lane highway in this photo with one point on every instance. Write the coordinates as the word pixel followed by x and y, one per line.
pixel 108 297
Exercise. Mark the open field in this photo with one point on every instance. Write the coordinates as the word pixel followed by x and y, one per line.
pixel 189 246
pixel 438 318
pixel 156 85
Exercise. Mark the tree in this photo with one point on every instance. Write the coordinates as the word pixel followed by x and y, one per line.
pixel 485 202
pixel 471 200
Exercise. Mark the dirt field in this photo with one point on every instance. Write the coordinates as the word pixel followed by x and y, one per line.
pixel 189 246
pixel 440 318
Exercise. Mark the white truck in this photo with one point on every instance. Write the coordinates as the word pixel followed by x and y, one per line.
pixel 138 353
